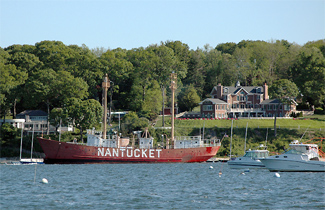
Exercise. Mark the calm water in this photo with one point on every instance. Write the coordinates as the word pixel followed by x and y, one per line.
pixel 157 186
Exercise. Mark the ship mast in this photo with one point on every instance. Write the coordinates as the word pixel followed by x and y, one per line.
pixel 173 87
pixel 105 86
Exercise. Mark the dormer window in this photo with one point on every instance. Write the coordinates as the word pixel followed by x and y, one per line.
pixel 225 90
pixel 258 90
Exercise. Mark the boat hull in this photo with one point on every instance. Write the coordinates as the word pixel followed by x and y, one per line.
pixel 68 153
pixel 281 165
pixel 234 164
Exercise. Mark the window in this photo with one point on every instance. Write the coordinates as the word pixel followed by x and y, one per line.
pixel 207 108
pixel 224 97
pixel 225 90
pixel 286 107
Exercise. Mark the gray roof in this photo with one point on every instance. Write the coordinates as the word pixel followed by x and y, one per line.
pixel 32 113
pixel 214 101
pixel 271 101
pixel 248 89
pixel 276 101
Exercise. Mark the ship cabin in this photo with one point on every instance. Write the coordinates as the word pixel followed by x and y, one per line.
pixel 188 142
pixel 146 143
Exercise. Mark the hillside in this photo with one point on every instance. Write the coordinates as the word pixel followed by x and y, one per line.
pixel 259 130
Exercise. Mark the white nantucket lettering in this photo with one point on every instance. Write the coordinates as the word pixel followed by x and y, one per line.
pixel 122 151
pixel 115 152
pixel 127 152
pixel 108 152
pixel 151 153
pixel 158 150
pixel 135 153
pixel 100 152
pixel 144 153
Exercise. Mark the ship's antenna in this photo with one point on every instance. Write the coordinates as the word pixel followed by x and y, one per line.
pixel 173 87
pixel 105 85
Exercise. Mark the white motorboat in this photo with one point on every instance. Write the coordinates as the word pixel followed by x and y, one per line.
pixel 300 158
pixel 251 159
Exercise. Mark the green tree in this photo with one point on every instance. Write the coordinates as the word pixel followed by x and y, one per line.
pixel 52 88
pixel 196 73
pixel 131 122
pixel 308 72
pixel 228 47
pixel 10 79
pixel 118 68
pixel 58 116
pixel 84 114
pixel 54 54
pixel 85 65
pixel 188 98
pixel 165 63
pixel 152 101
pixel 285 91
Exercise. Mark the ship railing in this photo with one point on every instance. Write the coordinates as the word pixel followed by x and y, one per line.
pixel 85 144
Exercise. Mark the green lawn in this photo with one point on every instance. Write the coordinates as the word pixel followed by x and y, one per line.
pixel 303 123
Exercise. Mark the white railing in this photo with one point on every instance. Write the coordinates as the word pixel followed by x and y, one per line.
pixel 245 110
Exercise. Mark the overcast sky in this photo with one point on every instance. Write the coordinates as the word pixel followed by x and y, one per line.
pixel 138 23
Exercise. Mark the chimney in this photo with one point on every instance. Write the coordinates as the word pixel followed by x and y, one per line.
pixel 266 91
pixel 219 91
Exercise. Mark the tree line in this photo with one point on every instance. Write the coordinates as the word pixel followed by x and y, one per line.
pixel 51 75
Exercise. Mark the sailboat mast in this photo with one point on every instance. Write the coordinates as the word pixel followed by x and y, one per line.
pixel 245 137
pixel 267 132
pixel 105 86
pixel 232 122
pixel 21 140
pixel 173 87
pixel 31 148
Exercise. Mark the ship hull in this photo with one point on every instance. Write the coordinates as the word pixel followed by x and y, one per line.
pixel 68 153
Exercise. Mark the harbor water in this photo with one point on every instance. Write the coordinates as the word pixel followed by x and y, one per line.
pixel 157 186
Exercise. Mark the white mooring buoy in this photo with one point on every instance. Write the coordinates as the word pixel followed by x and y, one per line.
pixel 277 175
pixel 211 167
pixel 45 181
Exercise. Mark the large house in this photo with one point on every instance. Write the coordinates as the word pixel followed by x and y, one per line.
pixel 243 101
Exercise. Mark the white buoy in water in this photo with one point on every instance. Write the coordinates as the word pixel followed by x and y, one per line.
pixel 45 181
pixel 277 175
pixel 211 167
pixel 242 173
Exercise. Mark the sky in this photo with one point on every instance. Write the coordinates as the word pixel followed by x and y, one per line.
pixel 139 23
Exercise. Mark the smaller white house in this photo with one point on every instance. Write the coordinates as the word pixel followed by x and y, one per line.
pixel 33 121
pixel 17 123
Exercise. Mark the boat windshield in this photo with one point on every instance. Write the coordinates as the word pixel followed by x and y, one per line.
pixel 257 154
pixel 295 152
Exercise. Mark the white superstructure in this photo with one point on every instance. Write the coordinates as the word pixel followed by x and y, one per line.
pixel 251 159
pixel 301 157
